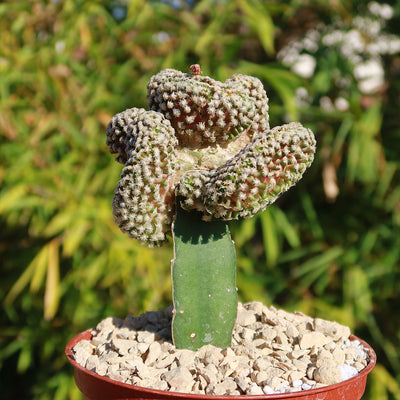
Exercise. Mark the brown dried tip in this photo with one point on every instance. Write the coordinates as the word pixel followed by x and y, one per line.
pixel 195 69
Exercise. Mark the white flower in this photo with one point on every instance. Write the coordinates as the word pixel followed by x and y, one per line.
pixel 341 104
pixel 326 103
pixel 384 11
pixel 59 46
pixel 368 69
pixel 304 66
pixel 370 85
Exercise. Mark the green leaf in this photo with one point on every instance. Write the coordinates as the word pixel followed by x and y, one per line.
pixel 284 82
pixel 203 279
pixel 270 238
pixel 260 20
pixel 358 292
pixel 52 292
pixel 286 228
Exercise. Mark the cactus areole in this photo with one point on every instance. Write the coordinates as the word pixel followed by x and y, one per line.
pixel 203 154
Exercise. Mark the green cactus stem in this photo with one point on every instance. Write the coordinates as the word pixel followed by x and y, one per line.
pixel 203 282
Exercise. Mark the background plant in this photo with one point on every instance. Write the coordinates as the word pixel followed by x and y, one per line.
pixel 330 248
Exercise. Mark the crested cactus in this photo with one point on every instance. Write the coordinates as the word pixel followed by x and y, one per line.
pixel 203 153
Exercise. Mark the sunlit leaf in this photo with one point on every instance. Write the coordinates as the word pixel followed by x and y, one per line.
pixel 259 19
pixel 52 291
pixel 270 238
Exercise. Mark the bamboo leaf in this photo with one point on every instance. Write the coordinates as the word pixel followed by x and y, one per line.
pixel 283 81
pixel 74 237
pixel 311 270
pixel 286 228
pixel 22 282
pixel 12 196
pixel 60 222
pixel 270 238
pixel 40 269
pixel 312 216
pixel 260 20
pixel 357 292
pixel 52 291
pixel 386 381
pixel 24 358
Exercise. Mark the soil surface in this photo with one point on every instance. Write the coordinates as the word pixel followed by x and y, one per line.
pixel 272 351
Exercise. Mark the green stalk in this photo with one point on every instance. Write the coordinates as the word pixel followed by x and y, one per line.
pixel 203 282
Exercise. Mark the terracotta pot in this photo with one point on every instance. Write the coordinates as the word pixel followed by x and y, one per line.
pixel 96 387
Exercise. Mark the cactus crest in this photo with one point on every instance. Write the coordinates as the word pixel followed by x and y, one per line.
pixel 207 142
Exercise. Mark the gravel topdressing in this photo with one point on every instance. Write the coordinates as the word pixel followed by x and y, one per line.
pixel 272 351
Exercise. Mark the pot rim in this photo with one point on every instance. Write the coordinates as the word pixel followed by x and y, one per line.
pixel 87 335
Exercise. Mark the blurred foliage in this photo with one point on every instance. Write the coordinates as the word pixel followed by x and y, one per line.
pixel 330 247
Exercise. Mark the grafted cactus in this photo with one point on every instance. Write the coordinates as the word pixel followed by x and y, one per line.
pixel 203 153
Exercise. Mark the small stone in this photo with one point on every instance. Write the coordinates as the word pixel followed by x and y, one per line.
pixel 209 373
pixel 101 368
pixel 209 354
pixel 296 354
pixel 323 353
pixel 246 317
pixel 256 306
pixel 301 365
pixel 268 333
pixel 166 361
pixel 261 364
pixel 92 363
pixel 349 353
pixel 347 371
pixel 261 378
pixel 109 356
pixel 228 366
pixel 247 334
pixel 297 383
pixel 310 339
pixel 359 366
pixel 260 343
pixel 106 324
pixel 179 377
pixel 145 337
pixel 292 331
pixel 295 376
pixel 332 328
pixel 185 358
pixel 142 348
pixel 82 351
pixel 268 390
pixel 254 389
pixel 325 362
pixel 310 372
pixel 228 352
pixel 159 384
pixel 226 387
pixel 153 353
pixel 122 346
pixel 115 373
pixel 306 386
pixel 275 382
pixel 328 375
pixel 98 340
pixel 243 382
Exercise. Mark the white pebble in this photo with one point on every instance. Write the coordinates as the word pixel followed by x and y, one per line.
pixel 347 371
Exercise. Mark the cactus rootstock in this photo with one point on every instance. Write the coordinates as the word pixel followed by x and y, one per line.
pixel 207 142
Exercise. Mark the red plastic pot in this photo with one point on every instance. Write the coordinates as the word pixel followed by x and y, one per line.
pixel 96 387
